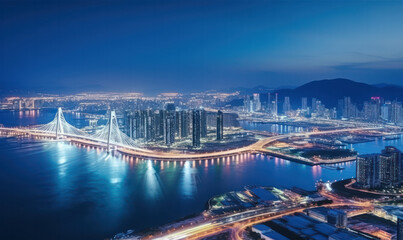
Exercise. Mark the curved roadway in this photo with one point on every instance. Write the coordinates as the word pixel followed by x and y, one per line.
pixel 259 146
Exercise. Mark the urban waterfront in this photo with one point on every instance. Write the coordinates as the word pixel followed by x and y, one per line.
pixel 58 190
pixel 201 120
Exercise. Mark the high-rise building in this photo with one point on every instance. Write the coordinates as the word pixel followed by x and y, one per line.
pixel 396 112
pixel 304 104
pixel 386 110
pixel 349 109
pixel 274 108
pixel 368 171
pixel 286 105
pixel 346 108
pixel 17 104
pixel 149 125
pixel 340 108
pixel 183 123
pixel 169 128
pixel 135 125
pixel 390 167
pixel 256 102
pixel 220 125
pixel 196 132
pixel 177 124
pixel 161 122
pixel 268 103
pixel 203 123
pixel 372 109
pixel 127 123
pixel 248 104
pixel 314 105
pixel 169 124
pixel 333 113
pixel 264 99
pixel 376 107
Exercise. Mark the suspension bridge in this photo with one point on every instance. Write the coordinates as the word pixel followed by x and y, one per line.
pixel 111 138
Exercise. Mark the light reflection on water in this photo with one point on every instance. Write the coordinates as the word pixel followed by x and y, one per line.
pixel 377 146
pixel 112 193
pixel 57 190
pixel 152 182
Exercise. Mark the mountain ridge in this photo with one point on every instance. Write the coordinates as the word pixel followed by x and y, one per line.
pixel 329 91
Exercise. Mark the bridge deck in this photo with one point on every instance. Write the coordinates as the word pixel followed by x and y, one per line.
pixel 259 146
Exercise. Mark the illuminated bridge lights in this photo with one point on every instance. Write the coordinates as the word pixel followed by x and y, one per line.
pixel 111 138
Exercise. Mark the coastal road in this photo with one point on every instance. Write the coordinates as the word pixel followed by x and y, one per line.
pixel 258 147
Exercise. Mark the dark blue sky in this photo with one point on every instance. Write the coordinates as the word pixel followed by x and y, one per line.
pixel 156 46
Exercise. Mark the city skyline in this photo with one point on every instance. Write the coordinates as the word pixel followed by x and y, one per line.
pixel 204 119
pixel 165 46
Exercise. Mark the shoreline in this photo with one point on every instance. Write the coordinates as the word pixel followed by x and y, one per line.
pixel 255 148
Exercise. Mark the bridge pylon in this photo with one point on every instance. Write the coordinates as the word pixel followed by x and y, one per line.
pixel 112 120
pixel 59 125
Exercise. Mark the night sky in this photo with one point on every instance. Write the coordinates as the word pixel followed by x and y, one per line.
pixel 162 46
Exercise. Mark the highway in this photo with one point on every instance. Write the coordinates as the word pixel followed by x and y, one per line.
pixel 235 223
pixel 221 223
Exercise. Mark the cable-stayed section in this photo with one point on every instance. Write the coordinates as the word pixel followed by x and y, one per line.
pixel 60 127
pixel 111 134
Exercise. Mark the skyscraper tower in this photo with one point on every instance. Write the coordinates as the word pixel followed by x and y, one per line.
pixel 203 123
pixel 304 103
pixel 220 125
pixel 248 104
pixel 314 105
pixel 347 111
pixel 368 171
pixel 256 102
pixel 149 128
pixel 184 124
pixel 396 112
pixel 286 105
pixel 386 110
pixel 268 104
pixel 169 124
pixel 275 106
pixel 196 133
pixel 390 167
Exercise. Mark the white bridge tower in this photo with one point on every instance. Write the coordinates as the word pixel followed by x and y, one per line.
pixel 112 120
pixel 59 125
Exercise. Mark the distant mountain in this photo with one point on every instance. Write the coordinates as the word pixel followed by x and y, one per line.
pixel 330 90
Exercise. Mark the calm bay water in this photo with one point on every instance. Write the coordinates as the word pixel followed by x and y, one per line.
pixel 276 128
pixel 54 190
